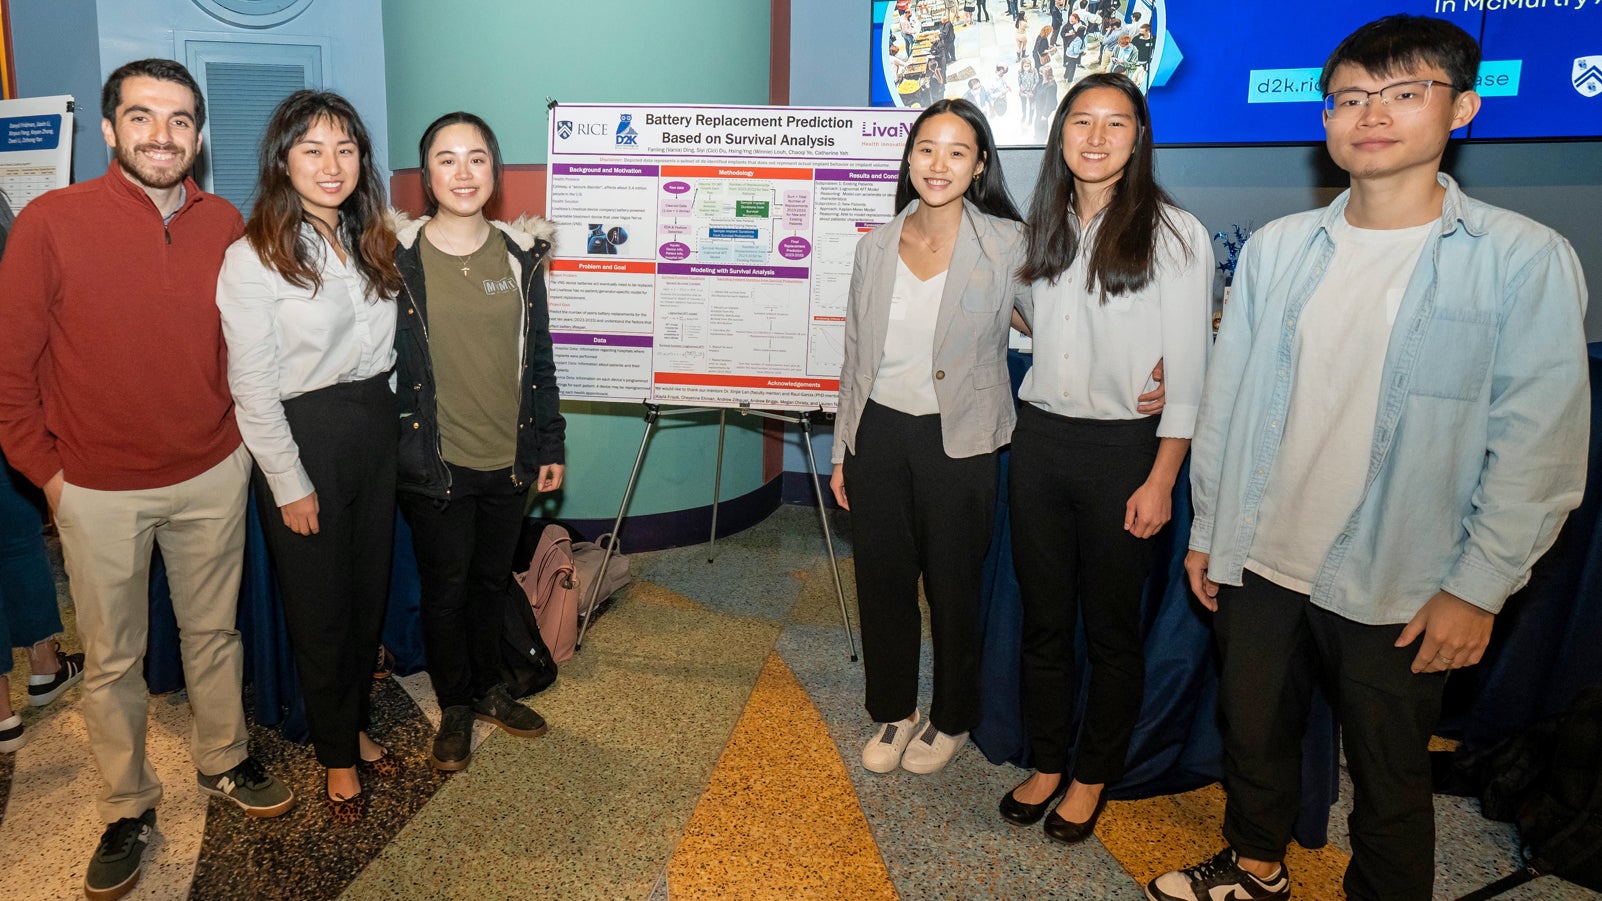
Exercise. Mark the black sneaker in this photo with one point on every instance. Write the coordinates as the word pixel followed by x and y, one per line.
pixel 498 707
pixel 453 744
pixel 249 786
pixel 70 674
pixel 1219 878
pixel 114 868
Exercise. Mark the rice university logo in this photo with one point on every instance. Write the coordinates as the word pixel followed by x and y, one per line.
pixel 564 129
pixel 626 135
pixel 1588 75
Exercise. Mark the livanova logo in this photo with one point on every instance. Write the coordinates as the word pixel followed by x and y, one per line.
pixel 564 129
pixel 1588 75
pixel 626 135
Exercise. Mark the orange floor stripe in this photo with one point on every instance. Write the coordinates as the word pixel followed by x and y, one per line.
pixel 779 818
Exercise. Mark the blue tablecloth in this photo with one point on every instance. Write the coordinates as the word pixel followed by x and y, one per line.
pixel 269 667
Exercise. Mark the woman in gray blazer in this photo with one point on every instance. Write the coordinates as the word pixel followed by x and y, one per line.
pixel 925 403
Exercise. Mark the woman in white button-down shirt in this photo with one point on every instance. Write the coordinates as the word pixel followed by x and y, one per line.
pixel 1121 278
pixel 308 313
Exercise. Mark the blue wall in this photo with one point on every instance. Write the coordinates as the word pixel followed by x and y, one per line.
pixel 352 28
pixel 58 52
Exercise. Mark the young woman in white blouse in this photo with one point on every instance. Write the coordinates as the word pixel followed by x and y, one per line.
pixel 307 301
pixel 925 401
pixel 1121 278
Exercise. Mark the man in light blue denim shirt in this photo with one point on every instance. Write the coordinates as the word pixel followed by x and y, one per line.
pixel 1393 430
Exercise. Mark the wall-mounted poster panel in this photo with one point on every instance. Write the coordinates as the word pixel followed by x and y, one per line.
pixel 35 147
pixel 703 253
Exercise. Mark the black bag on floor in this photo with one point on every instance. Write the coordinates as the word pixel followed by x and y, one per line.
pixel 1547 780
pixel 526 664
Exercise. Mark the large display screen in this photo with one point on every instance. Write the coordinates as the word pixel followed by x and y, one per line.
pixel 1221 73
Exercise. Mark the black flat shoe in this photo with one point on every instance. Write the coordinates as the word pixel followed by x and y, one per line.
pixel 1016 811
pixel 1059 829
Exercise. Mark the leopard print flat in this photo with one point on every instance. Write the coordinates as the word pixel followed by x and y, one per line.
pixel 385 766
pixel 346 811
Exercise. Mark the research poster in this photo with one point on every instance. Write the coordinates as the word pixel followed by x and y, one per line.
pixel 703 253
pixel 35 147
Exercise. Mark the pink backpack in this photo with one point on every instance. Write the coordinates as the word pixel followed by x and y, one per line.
pixel 552 588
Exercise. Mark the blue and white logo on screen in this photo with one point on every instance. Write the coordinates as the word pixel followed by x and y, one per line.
pixel 1588 75
pixel 626 135
pixel 564 129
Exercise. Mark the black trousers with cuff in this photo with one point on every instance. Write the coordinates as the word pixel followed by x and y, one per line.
pixel 464 550
pixel 1070 480
pixel 916 511
pixel 1276 646
pixel 335 583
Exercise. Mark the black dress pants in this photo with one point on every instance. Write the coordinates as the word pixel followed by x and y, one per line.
pixel 915 511
pixel 1276 646
pixel 464 550
pixel 1070 480
pixel 335 583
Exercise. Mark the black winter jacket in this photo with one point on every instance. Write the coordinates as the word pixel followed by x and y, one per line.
pixel 541 430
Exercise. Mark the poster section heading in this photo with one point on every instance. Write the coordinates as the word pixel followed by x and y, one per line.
pixel 703 253
pixel 1251 76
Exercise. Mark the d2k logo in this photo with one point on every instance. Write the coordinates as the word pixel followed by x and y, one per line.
pixel 1588 75
pixel 564 129
pixel 626 135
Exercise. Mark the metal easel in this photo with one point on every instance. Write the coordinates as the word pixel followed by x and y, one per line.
pixel 653 414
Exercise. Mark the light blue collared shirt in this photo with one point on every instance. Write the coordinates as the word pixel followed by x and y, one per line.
pixel 1479 446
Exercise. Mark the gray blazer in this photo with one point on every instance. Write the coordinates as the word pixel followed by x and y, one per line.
pixel 970 350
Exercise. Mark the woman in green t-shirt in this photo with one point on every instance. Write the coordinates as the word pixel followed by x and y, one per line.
pixel 479 419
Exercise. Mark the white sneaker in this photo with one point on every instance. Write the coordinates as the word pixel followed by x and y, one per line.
pixel 883 754
pixel 932 750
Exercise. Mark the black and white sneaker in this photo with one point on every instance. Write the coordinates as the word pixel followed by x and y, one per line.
pixel 48 688
pixel 1219 879
pixel 11 736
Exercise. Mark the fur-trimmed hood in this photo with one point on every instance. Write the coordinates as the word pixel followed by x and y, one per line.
pixel 523 232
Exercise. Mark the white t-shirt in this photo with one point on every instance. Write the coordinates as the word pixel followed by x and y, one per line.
pixel 905 380
pixel 1322 467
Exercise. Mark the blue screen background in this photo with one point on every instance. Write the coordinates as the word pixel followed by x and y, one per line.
pixel 1245 70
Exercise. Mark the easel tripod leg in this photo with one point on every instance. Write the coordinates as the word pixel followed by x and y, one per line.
pixel 606 557
pixel 717 486
pixel 828 540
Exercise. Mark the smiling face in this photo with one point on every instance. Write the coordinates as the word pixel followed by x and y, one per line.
pixel 1379 142
pixel 944 160
pixel 461 172
pixel 154 134
pixel 1098 138
pixel 324 166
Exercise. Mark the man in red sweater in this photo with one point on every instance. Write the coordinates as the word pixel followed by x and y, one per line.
pixel 114 399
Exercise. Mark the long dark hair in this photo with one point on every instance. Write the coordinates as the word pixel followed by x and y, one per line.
pixel 275 220
pixel 988 191
pixel 1124 257
pixel 430 202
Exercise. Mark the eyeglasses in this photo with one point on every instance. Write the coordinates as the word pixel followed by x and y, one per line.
pixel 1402 97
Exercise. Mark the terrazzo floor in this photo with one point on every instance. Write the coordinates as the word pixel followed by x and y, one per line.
pixel 703 745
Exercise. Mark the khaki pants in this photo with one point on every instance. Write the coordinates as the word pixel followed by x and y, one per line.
pixel 107 537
